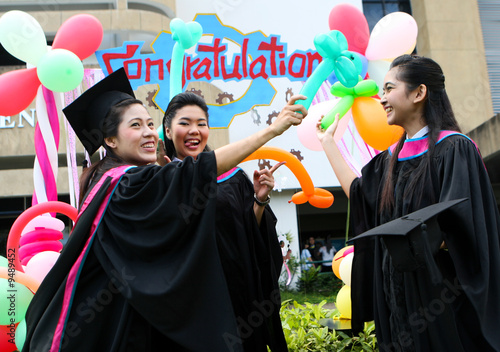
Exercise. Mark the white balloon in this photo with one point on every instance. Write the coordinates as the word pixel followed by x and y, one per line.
pixel 22 36
pixel 345 269
pixel 377 70
pixel 40 264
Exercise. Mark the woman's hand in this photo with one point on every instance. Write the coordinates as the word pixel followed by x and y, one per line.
pixel 326 136
pixel 161 158
pixel 263 181
pixel 291 114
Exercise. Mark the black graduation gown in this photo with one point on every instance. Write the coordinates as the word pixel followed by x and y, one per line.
pixel 152 279
pixel 252 260
pixel 462 311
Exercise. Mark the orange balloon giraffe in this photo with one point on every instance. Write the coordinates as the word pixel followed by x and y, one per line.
pixel 317 197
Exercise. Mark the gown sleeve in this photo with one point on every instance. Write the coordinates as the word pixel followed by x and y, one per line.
pixel 364 195
pixel 157 239
pixel 472 237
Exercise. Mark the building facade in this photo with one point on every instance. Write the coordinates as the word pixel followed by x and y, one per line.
pixel 458 34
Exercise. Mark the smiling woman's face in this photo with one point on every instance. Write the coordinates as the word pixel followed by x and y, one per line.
pixel 137 138
pixel 189 131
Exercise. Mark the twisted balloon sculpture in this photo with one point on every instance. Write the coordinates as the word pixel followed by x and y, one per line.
pixel 336 58
pixel 364 88
pixel 317 197
pixel 185 35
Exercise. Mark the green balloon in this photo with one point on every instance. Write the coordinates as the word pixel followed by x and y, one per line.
pixel 341 108
pixel 60 70
pixel 21 335
pixel 4 262
pixel 14 301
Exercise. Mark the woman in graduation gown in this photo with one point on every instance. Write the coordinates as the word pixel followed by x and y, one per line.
pixel 454 307
pixel 140 271
pixel 245 228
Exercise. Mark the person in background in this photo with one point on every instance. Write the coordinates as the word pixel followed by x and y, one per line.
pixel 314 249
pixel 327 252
pixel 305 257
pixel 450 303
pixel 141 270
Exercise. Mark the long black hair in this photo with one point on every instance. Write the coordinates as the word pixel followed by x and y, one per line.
pixel 112 120
pixel 178 102
pixel 438 115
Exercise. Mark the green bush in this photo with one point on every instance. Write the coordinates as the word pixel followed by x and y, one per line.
pixel 303 331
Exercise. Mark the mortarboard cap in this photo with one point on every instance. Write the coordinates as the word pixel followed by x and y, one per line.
pixel 86 114
pixel 412 240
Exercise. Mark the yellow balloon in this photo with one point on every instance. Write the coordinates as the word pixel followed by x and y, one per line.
pixel 343 302
pixel 337 259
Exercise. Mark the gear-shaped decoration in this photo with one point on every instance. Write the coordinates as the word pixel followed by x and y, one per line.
pixel 270 117
pixel 196 91
pixel 288 94
pixel 150 101
pixel 297 154
pixel 263 163
pixel 255 116
pixel 222 96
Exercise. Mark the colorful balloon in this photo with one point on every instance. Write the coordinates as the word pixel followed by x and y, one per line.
pixel 395 34
pixel 343 302
pixel 60 70
pixel 21 278
pixel 40 264
pixel 22 36
pixel 306 131
pixel 15 304
pixel 17 90
pixel 364 88
pixel 317 197
pixel 371 123
pixel 345 269
pixel 338 257
pixel 364 68
pixel 336 58
pixel 185 35
pixel 21 334
pixel 7 338
pixel 27 215
pixel 349 20
pixel 377 69
pixel 81 34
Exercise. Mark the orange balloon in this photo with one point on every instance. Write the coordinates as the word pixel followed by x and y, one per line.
pixel 24 279
pixel 337 259
pixel 370 119
pixel 317 197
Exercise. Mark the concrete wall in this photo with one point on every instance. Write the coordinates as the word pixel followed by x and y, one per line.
pixel 450 33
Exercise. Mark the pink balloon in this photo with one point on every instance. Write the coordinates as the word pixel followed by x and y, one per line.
pixel 306 131
pixel 28 251
pixel 44 221
pixel 349 20
pixel 17 90
pixel 394 35
pixel 80 34
pixel 40 264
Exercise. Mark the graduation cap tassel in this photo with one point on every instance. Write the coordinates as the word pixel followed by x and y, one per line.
pixel 434 272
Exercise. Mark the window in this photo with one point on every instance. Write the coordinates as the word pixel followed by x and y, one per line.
pixel 489 12
pixel 374 10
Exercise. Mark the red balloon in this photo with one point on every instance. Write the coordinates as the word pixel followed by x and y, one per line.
pixel 352 23
pixel 7 334
pixel 17 90
pixel 80 34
